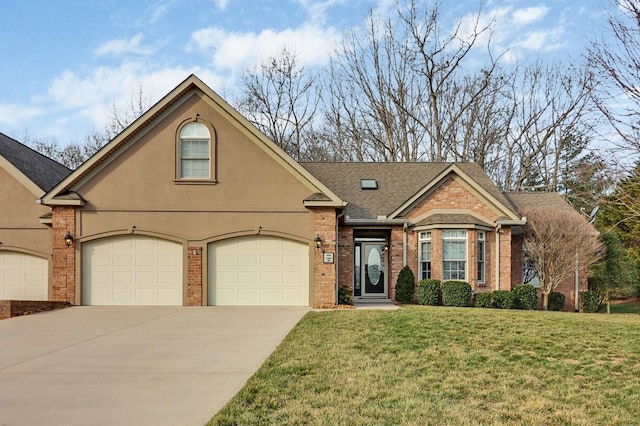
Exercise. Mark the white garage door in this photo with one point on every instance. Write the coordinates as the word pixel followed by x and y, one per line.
pixel 258 271
pixel 23 277
pixel 132 270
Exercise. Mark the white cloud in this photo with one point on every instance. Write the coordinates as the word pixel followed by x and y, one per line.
pixel 84 102
pixel 543 40
pixel 123 46
pixel 317 10
pixel 18 115
pixel 221 4
pixel 529 15
pixel 235 51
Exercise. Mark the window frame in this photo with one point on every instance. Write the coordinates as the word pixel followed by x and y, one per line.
pixel 424 264
pixel 481 259
pixel 529 269
pixel 448 237
pixel 211 178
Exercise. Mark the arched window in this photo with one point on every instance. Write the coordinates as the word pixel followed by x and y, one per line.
pixel 195 151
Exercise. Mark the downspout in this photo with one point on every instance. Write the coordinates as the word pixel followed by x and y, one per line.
pixel 337 257
pixel 404 244
pixel 498 256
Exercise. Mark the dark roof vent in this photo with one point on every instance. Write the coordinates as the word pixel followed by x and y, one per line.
pixel 368 184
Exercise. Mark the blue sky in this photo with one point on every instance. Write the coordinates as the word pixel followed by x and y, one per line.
pixel 66 62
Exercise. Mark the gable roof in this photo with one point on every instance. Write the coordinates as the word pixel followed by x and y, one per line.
pixel 399 185
pixel 64 192
pixel 522 201
pixel 36 171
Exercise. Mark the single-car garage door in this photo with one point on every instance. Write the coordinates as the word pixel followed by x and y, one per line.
pixel 132 270
pixel 258 271
pixel 23 276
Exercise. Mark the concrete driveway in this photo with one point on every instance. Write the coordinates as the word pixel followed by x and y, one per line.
pixel 132 365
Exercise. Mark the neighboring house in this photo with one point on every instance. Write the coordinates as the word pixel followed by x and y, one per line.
pixel 25 231
pixel 192 205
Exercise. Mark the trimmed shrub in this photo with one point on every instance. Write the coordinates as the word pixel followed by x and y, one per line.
pixel 406 286
pixel 483 300
pixel 556 301
pixel 345 296
pixel 589 301
pixel 502 299
pixel 429 292
pixel 525 297
pixel 456 293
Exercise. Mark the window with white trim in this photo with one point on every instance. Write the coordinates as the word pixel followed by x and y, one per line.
pixel 195 152
pixel 454 255
pixel 481 257
pixel 424 246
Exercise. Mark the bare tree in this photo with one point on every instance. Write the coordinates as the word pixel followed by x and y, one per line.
pixel 280 98
pixel 557 242
pixel 615 61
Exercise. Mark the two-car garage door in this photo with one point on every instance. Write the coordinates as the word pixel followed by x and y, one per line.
pixel 245 271
pixel 258 271
pixel 132 270
pixel 23 276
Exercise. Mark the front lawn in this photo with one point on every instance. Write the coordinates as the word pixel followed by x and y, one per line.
pixel 457 366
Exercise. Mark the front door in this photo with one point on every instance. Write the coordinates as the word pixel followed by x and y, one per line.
pixel 372 270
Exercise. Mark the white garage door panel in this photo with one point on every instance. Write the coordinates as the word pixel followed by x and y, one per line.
pixel 258 271
pixel 23 276
pixel 132 270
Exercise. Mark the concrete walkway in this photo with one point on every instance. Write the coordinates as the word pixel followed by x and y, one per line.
pixel 132 365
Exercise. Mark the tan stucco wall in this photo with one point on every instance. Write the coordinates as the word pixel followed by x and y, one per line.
pixel 138 192
pixel 20 228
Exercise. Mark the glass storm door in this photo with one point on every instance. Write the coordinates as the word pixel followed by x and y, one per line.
pixel 373 269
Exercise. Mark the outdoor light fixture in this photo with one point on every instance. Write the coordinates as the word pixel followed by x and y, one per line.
pixel 318 242
pixel 68 239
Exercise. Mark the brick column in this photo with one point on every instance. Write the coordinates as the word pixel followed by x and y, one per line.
pixel 395 259
pixel 505 259
pixel 64 258
pixel 194 276
pixel 324 274
pixel 345 255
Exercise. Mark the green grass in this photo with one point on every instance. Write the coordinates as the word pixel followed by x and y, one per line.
pixel 456 366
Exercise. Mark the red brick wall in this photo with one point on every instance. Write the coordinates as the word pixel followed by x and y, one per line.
pixel 324 274
pixel 395 259
pixel 345 255
pixel 452 195
pixel 194 276
pixel 63 288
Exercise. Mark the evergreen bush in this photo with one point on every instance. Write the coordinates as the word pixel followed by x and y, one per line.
pixel 456 293
pixel 483 300
pixel 589 301
pixel 429 292
pixel 502 299
pixel 406 286
pixel 525 297
pixel 556 301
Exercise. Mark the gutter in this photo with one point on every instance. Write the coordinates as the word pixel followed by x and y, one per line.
pixel 376 222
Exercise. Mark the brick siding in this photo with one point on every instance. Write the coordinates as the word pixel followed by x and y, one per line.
pixel 194 276
pixel 324 274
pixel 63 288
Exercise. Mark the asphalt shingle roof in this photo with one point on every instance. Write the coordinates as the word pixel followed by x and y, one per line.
pixel 43 171
pixel 397 183
pixel 522 201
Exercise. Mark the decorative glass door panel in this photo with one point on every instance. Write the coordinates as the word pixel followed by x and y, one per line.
pixel 373 269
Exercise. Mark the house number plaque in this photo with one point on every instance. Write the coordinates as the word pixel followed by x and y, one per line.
pixel 327 257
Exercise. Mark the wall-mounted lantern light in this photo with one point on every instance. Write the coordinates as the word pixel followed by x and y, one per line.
pixel 68 239
pixel 318 242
